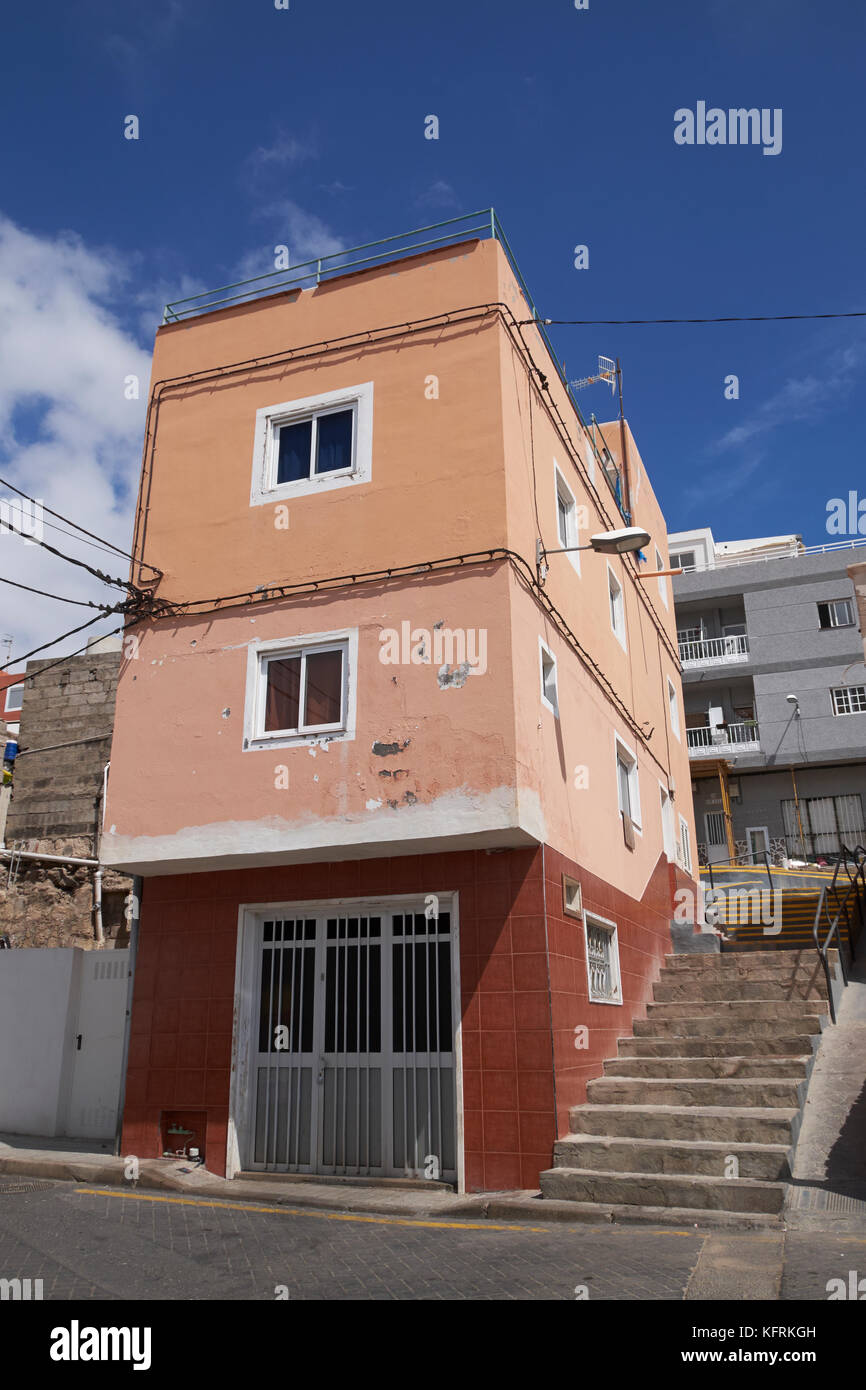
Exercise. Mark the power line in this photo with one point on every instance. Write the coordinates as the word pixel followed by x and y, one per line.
pixel 34 675
pixel 729 318
pixel 106 578
pixel 81 602
pixel 55 640
pixel 103 542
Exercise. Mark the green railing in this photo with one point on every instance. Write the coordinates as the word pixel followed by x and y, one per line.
pixel 469 226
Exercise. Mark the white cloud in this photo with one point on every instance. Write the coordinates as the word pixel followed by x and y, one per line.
pixel 68 435
pixel 439 195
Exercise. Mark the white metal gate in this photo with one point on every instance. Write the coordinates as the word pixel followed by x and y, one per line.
pixel 354 1063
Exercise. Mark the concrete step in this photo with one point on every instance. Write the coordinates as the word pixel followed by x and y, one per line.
pixel 797 1045
pixel 612 1090
pixel 770 1068
pixel 717 1025
pixel 781 1009
pixel 727 1124
pixel 711 1158
pixel 671 989
pixel 733 961
pixel 662 1189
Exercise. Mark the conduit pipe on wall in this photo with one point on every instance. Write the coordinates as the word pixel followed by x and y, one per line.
pixel 48 858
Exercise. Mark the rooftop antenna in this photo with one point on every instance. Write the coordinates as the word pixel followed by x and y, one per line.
pixel 6 641
pixel 606 372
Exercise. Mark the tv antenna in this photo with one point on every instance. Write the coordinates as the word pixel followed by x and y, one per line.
pixel 606 372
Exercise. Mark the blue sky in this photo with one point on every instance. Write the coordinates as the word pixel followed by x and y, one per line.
pixel 306 126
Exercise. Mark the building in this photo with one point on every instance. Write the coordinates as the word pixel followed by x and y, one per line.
pixel 774 686
pixel 52 889
pixel 408 812
pixel 11 699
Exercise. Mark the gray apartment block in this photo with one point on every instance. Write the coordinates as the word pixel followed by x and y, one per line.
pixel 774 692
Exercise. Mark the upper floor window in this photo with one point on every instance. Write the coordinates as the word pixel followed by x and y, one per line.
pixel 662 582
pixel 838 613
pixel 673 706
pixel 849 699
pixel 617 606
pixel 549 693
pixel 300 690
pixel 683 560
pixel 628 788
pixel 14 698
pixel 314 444
pixel 567 529
pixel 685 845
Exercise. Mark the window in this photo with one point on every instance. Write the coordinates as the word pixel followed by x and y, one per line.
pixel 314 444
pixel 820 825
pixel 549 696
pixel 715 823
pixel 838 613
pixel 662 583
pixel 849 699
pixel 668 835
pixel 685 845
pixel 589 458
pixel 602 960
pixel 566 518
pixel 572 902
pixel 299 691
pixel 617 609
pixel 14 698
pixel 690 634
pixel 628 789
pixel 673 706
pixel 683 560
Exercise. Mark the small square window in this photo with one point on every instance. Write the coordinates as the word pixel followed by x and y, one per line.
pixel 299 691
pixel 572 898
pixel 318 443
pixel 549 694
pixel 602 960
pixel 14 698
pixel 683 560
pixel 567 529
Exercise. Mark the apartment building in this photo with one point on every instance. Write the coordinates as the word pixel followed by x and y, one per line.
pixel 774 686
pixel 405 786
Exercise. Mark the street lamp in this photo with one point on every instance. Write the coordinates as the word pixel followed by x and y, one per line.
pixel 620 542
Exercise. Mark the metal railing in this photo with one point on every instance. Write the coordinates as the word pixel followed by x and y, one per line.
pixel 306 274
pixel 722 736
pixel 746 860
pixel 789 552
pixel 714 649
pixel 841 898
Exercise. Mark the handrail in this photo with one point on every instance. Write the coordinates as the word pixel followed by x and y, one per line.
pixel 734 860
pixel 857 887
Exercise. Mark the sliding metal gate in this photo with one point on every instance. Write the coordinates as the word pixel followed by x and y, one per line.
pixel 354 1069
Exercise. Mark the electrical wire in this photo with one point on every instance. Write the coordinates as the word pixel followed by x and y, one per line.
pixel 729 318
pixel 55 640
pixel 81 602
pixel 82 564
pixel 34 675
pixel 103 543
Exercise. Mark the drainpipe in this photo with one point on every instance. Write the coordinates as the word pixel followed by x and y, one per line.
pixel 134 913
pixel 97 907
pixel 48 858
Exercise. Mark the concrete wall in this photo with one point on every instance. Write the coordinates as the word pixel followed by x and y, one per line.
pixel 762 794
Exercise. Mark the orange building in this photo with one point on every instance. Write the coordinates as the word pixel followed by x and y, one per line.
pixel 408 809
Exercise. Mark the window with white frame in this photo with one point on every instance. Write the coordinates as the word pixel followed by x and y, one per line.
pixel 299 691
pixel 673 706
pixel 662 582
pixel 628 789
pixel 549 694
pixel 682 559
pixel 837 613
pixel 668 833
pixel 617 606
pixel 602 960
pixel 589 457
pixel 314 444
pixel 567 528
pixel 685 845
pixel 14 698
pixel 849 699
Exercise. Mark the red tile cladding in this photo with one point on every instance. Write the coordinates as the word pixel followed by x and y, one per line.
pixel 523 986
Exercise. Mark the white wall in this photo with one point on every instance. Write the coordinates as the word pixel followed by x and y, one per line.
pixel 48 1086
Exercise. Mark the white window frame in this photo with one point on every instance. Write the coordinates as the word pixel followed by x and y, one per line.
pixel 563 491
pixel 685 845
pixel 258 656
pixel 832 604
pixel 848 691
pixel 677 557
pixel 669 833
pixel 544 651
pixel 616 973
pixel 14 709
pixel 616 604
pixel 674 709
pixel 633 780
pixel 662 582
pixel 589 457
pixel 270 420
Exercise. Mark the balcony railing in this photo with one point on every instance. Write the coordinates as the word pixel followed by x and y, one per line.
pixel 722 739
pixel 714 651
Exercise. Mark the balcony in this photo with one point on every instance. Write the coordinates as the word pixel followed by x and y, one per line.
pixel 714 651
pixel 725 738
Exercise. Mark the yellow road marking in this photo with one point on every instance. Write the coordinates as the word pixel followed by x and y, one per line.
pixel 343 1216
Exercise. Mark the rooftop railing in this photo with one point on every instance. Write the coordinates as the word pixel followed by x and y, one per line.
pixel 307 274
pixel 790 552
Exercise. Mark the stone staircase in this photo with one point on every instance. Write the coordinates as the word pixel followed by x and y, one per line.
pixel 716 1072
